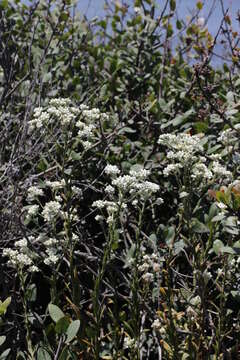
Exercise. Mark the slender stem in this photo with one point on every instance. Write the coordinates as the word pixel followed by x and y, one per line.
pixel 24 300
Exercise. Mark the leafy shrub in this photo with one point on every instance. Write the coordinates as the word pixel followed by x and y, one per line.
pixel 120 189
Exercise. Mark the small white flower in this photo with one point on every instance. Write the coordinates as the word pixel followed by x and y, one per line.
pixel 56 185
pixel 221 205
pixel 52 258
pixel 33 268
pixel 140 174
pixel 183 194
pixel 16 258
pixel 76 190
pixel 148 277
pixel 128 342
pixel 111 170
pixel 200 171
pixel 109 189
pixel 21 243
pixel 32 211
pixel 144 267
pixel 156 267
pixel 156 325
pixel 99 218
pixel 86 144
pixel 135 202
pixel 50 242
pixel 34 192
pixel 220 171
pixel 147 258
pixel 110 219
pixel 201 21
pixel 171 169
pixel 159 201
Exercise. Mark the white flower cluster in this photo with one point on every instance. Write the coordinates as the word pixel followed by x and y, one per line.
pixel 39 119
pixel 111 207
pixel 52 258
pixel 34 192
pixel 50 242
pixel 129 342
pixel 55 185
pixel 185 152
pixel 51 211
pixel 183 146
pixel 171 169
pixel 62 112
pixel 112 170
pixel 220 171
pixel 71 216
pixel 149 267
pixel 58 109
pixel 92 115
pixel 88 123
pixel 32 211
pixel 54 249
pixel 156 325
pixel 128 188
pixel 201 172
pixel 135 183
pixel 228 137
pixel 184 149
pixel 21 256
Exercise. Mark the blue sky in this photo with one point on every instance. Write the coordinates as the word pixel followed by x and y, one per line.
pixel 92 8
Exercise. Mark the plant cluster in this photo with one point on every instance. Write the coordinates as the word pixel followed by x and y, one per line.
pixel 120 187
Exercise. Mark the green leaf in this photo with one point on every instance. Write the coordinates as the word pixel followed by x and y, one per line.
pixel 42 165
pixel 72 330
pixel 4 4
pixel 47 77
pixel 219 247
pixel 199 227
pixel 179 246
pixel 31 292
pixel 43 354
pixel 219 217
pixel 199 5
pixel 4 305
pixel 170 234
pixel 2 339
pixel 55 313
pixel 126 129
pixel 179 119
pixel 169 30
pixel 64 354
pixel 236 295
pixel 76 156
pixel 5 354
pixel 201 127
pixel 62 325
pixel 172 5
pixel 221 197
pixel 213 149
pixel 179 24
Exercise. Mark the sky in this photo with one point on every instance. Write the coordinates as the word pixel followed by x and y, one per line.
pixel 93 8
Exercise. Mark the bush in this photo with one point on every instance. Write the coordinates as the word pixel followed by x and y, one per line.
pixel 120 190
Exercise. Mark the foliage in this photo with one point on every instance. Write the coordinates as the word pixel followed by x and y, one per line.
pixel 120 188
